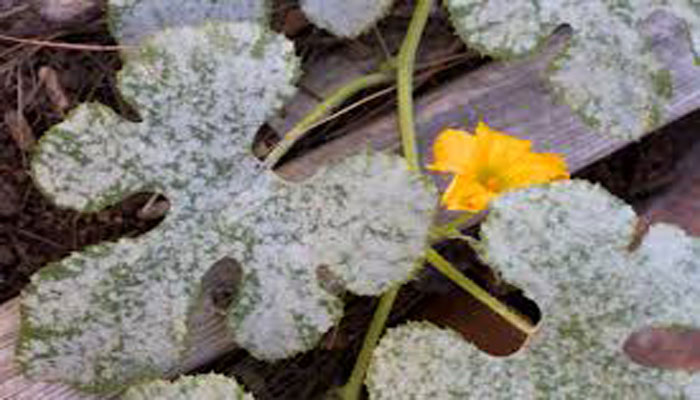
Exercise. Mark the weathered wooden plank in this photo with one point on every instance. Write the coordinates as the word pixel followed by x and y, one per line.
pixel 338 67
pixel 514 98
pixel 510 96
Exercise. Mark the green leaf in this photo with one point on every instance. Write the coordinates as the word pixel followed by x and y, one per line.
pixel 116 313
pixel 566 246
pixel 132 20
pixel 607 74
pixel 209 387
pixel 345 18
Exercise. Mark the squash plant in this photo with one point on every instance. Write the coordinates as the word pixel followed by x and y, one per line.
pixel 117 313
pixel 567 245
pixel 209 386
pixel 345 18
pixel 206 74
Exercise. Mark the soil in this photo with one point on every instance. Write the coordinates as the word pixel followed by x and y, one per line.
pixel 38 85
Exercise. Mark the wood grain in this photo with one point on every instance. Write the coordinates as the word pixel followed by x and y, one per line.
pixel 509 96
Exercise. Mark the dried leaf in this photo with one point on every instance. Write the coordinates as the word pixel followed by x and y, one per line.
pixel 49 78
pixel 20 131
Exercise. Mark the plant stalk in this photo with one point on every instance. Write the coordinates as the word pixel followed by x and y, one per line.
pixel 451 229
pixel 322 109
pixel 351 390
pixel 404 79
pixel 447 269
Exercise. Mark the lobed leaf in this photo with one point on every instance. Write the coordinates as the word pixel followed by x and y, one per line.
pixel 345 18
pixel 132 20
pixel 607 74
pixel 210 387
pixel 566 246
pixel 117 313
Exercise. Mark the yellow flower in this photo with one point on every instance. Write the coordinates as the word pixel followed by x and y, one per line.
pixel 488 164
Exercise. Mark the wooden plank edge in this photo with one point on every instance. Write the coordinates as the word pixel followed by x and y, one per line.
pixel 513 97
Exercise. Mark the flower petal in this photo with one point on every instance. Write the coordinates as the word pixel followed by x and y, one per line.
pixel 465 193
pixel 498 149
pixel 490 163
pixel 536 169
pixel 453 151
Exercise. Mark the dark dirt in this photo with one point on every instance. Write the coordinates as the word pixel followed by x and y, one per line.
pixel 33 232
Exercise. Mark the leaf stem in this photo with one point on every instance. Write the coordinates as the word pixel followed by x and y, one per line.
pixel 334 100
pixel 351 390
pixel 450 229
pixel 404 79
pixel 447 269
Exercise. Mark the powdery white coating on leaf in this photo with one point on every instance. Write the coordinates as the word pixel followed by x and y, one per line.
pixel 552 226
pixel 355 218
pixel 343 17
pixel 418 360
pixel 63 152
pixel 132 20
pixel 116 313
pixel 205 387
pixel 607 74
pixel 565 245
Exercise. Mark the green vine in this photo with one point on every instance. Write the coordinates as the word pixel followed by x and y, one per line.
pixel 404 75
pixel 351 390
pixel 447 269
pixel 322 109
pixel 451 230
pixel 404 79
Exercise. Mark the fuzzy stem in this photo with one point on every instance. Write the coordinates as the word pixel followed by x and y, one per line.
pixel 352 389
pixel 447 269
pixel 451 229
pixel 334 100
pixel 404 78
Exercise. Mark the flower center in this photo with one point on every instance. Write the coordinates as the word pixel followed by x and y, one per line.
pixel 490 180
pixel 492 184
